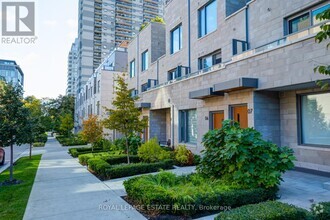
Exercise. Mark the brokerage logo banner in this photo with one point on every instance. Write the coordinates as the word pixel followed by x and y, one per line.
pixel 18 22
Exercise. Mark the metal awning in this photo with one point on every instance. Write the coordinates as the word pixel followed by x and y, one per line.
pixel 143 105
pixel 204 93
pixel 236 84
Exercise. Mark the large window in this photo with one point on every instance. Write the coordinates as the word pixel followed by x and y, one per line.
pixel 299 23
pixel 132 69
pixel 145 60
pixel 210 60
pixel 234 5
pixel 144 87
pixel 188 126
pixel 315 119
pixel 176 39
pixel 306 19
pixel 207 16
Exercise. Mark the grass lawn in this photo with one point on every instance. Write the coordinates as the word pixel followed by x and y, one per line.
pixel 13 199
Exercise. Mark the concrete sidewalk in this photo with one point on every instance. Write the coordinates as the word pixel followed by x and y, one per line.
pixel 63 189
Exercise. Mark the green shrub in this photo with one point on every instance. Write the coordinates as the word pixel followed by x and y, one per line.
pixel 39 144
pixel 71 141
pixel 243 157
pixel 113 160
pixel 83 158
pixel 75 152
pixel 321 211
pixel 106 171
pixel 270 210
pixel 98 166
pixel 151 152
pixel 124 170
pixel 134 142
pixel 41 138
pixel 183 156
pixel 193 191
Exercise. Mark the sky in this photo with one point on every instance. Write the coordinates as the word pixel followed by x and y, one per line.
pixel 45 63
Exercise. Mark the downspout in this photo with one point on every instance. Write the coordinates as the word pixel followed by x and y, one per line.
pixel 189 39
pixel 247 27
pixel 137 65
pixel 172 127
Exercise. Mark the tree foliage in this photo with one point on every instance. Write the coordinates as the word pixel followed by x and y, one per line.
pixel 155 19
pixel 13 118
pixel 241 156
pixel 323 35
pixel 92 130
pixel 126 117
pixel 66 124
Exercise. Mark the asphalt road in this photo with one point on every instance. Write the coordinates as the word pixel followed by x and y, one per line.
pixel 18 150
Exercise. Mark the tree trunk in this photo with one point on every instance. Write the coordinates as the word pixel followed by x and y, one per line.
pixel 127 147
pixel 11 169
pixel 30 151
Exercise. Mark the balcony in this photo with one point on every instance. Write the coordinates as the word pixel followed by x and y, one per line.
pixel 289 39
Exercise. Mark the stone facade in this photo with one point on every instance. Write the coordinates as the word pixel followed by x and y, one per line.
pixel 282 63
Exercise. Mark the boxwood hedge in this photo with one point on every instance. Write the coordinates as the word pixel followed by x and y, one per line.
pixel 270 210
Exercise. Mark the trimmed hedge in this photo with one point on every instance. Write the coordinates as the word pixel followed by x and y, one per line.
pixel 38 144
pixel 113 160
pixel 75 152
pixel 71 141
pixel 271 210
pixel 112 157
pixel 105 171
pixel 125 170
pixel 195 193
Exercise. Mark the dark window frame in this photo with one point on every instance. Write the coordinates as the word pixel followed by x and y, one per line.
pixel 299 119
pixel 130 69
pixel 199 14
pixel 213 54
pixel 178 27
pixel 183 117
pixel 145 60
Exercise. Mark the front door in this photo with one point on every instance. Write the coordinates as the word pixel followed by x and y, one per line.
pixel 240 115
pixel 217 119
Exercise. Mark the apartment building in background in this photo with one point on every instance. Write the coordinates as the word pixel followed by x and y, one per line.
pixel 11 72
pixel 103 25
pixel 250 61
pixel 98 91
pixel 72 69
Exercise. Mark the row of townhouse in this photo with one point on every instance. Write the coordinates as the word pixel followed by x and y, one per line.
pixel 247 60
pixel 99 90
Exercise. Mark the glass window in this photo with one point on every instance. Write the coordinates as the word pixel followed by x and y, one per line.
pixel 207 18
pixel 318 11
pixel 145 61
pixel 234 5
pixel 176 39
pixel 315 119
pixel 188 126
pixel 132 69
pixel 210 60
pixel 173 74
pixel 144 87
pixel 299 23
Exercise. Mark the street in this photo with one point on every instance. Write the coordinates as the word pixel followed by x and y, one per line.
pixel 18 150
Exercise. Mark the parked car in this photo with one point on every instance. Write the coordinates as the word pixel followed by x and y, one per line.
pixel 2 156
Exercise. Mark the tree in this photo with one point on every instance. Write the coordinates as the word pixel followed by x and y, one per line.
pixel 13 116
pixel 324 34
pixel 66 124
pixel 34 126
pixel 92 130
pixel 125 118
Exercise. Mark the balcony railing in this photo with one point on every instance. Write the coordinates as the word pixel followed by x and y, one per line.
pixel 272 45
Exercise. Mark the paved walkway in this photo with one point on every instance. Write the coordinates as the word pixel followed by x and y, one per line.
pixel 63 189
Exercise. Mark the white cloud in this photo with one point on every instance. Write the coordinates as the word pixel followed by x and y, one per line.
pixel 50 23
